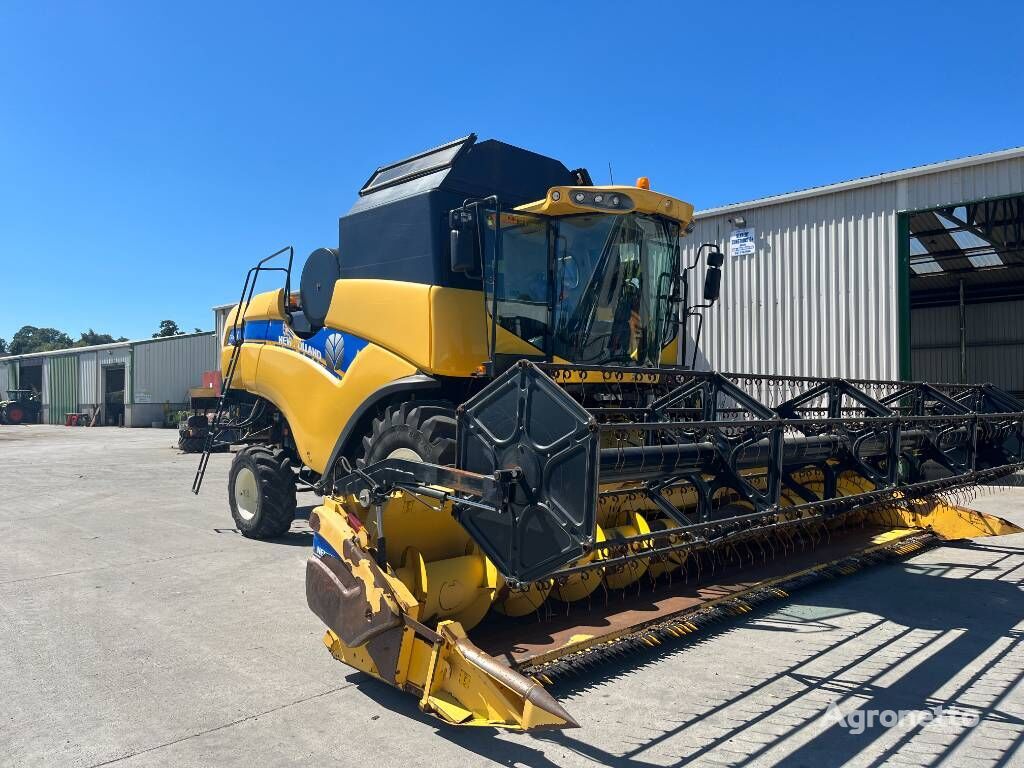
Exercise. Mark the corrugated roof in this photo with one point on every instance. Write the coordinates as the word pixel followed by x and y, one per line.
pixel 864 181
pixel 96 347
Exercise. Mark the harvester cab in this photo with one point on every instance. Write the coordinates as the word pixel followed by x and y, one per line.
pixel 481 383
pixel 588 275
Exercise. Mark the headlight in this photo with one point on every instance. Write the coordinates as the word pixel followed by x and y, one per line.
pixel 594 199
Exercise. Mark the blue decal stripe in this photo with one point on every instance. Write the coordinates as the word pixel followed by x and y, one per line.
pixel 335 349
pixel 262 330
pixel 321 547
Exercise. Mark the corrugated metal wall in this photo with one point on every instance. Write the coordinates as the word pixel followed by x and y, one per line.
pixel 220 316
pixel 165 369
pixel 88 382
pixel 994 340
pixel 976 182
pixel 62 390
pixel 819 297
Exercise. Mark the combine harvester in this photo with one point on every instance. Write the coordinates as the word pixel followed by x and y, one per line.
pixel 517 478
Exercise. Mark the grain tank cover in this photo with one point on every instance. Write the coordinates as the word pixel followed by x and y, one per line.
pixel 398 228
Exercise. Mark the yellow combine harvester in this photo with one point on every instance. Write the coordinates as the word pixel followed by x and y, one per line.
pixel 517 478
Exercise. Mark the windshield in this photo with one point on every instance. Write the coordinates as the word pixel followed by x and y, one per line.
pixel 590 289
pixel 614 275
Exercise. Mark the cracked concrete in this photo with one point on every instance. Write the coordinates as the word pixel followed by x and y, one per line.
pixel 137 628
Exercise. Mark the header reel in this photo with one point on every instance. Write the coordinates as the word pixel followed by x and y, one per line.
pixel 542 443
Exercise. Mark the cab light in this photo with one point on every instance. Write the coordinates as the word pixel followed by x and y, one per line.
pixel 601 200
pixel 643 182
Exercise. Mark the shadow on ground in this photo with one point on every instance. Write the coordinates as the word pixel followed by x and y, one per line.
pixel 299 536
pixel 969 617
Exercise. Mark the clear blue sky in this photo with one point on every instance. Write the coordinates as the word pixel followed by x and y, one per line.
pixel 151 152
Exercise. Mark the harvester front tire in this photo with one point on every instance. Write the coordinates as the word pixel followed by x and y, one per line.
pixel 261 492
pixel 415 430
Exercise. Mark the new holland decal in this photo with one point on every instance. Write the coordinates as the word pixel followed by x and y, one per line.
pixel 334 350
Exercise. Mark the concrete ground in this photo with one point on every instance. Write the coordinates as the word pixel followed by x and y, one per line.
pixel 138 628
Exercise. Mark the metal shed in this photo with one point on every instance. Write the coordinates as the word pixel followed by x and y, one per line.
pixel 164 370
pixel 132 383
pixel 910 274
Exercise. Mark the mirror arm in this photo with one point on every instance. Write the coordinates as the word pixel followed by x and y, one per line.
pixel 696 337
pixel 696 256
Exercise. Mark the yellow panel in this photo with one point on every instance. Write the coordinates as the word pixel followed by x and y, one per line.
pixel 265 306
pixel 389 313
pixel 458 331
pixel 439 330
pixel 316 404
pixel 245 368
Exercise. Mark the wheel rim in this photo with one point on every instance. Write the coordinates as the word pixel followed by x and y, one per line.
pixel 404 453
pixel 247 493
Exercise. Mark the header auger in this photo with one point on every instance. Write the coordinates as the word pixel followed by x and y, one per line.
pixel 480 383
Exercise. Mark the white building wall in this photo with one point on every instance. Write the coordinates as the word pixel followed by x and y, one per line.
pixel 220 316
pixel 976 182
pixel 820 296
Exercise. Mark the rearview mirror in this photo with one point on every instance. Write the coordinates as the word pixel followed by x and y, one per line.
pixel 463 258
pixel 463 252
pixel 712 284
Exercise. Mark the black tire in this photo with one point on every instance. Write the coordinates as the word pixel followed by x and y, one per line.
pixel 191 444
pixel 197 422
pixel 264 478
pixel 426 428
pixel 14 414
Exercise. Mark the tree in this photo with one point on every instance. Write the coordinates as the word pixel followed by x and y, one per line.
pixel 28 338
pixel 168 328
pixel 90 338
pixel 3 346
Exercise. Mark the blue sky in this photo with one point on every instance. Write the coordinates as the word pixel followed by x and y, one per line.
pixel 151 152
